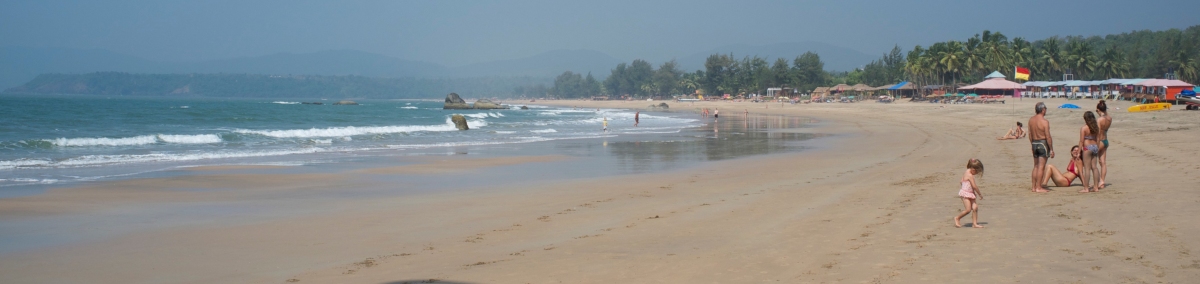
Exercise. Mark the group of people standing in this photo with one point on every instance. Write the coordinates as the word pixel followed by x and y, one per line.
pixel 1089 161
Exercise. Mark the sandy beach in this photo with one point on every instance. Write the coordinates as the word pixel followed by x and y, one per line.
pixel 874 205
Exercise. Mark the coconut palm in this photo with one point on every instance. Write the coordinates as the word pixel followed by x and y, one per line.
pixel 1185 65
pixel 1080 58
pixel 950 58
pixel 1050 58
pixel 1112 64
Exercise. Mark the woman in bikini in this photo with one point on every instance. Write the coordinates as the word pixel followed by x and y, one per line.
pixel 1060 178
pixel 1091 152
pixel 1104 121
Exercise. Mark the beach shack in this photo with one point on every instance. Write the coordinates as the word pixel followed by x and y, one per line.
pixel 996 85
pixel 1166 89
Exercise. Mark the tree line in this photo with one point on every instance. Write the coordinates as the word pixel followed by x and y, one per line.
pixel 722 74
pixel 1137 54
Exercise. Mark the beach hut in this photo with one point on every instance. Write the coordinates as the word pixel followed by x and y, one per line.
pixel 1166 88
pixel 996 83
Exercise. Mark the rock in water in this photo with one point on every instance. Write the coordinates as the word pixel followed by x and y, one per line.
pixel 663 105
pixel 453 101
pixel 524 107
pixel 346 103
pixel 487 104
pixel 459 121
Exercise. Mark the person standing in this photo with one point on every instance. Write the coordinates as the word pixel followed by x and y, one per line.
pixel 636 118
pixel 605 124
pixel 1042 145
pixel 1104 121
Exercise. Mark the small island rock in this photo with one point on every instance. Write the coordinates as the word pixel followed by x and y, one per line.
pixel 460 122
pixel 453 101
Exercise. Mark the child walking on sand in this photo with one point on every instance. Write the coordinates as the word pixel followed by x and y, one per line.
pixel 969 193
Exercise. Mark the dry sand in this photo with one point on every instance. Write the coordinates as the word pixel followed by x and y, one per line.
pixel 876 206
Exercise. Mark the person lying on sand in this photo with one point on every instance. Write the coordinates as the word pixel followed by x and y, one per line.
pixel 1013 133
pixel 1060 178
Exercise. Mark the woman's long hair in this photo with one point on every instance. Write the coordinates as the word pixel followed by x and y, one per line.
pixel 1090 119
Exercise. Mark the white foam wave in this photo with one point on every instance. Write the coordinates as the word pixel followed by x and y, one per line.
pixel 408 107
pixel 136 140
pixel 190 139
pixel 505 132
pixel 98 160
pixel 285 103
pixel 82 142
pixel 551 130
pixel 356 130
pixel 484 115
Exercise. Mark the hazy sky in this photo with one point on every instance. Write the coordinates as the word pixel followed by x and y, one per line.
pixel 462 32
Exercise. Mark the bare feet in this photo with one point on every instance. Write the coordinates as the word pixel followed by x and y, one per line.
pixel 1041 190
pixel 1101 186
pixel 956 224
pixel 1085 190
pixel 976 226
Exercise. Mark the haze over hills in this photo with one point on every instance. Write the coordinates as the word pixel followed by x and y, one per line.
pixel 836 58
pixel 19 65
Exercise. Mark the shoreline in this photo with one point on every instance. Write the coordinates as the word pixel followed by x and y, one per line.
pixel 874 206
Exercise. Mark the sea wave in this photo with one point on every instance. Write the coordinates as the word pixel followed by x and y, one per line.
pixel 136 140
pixel 99 160
pixel 358 130
pixel 551 130
pixel 285 103
pixel 408 107
pixel 484 115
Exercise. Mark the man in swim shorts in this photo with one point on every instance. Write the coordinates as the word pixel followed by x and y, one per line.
pixel 1042 145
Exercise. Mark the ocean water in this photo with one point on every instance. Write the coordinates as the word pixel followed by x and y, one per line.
pixel 50 140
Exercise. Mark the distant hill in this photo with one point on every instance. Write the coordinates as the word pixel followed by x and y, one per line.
pixel 19 65
pixel 268 86
pixel 551 63
pixel 836 58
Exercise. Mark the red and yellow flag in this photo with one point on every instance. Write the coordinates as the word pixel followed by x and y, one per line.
pixel 1022 73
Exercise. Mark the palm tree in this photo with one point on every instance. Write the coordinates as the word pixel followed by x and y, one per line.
pixel 1112 64
pixel 1081 58
pixel 1184 64
pixel 1021 53
pixel 1051 58
pixel 951 58
pixel 973 62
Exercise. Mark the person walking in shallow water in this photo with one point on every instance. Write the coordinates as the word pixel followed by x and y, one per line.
pixel 636 118
pixel 605 124
pixel 1042 146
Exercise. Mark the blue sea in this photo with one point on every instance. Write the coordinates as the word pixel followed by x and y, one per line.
pixel 57 140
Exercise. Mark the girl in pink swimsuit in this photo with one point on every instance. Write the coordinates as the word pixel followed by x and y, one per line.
pixel 969 192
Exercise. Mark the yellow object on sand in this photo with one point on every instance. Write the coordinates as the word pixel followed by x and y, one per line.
pixel 1150 107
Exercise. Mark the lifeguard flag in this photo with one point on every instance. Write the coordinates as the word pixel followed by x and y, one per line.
pixel 1022 73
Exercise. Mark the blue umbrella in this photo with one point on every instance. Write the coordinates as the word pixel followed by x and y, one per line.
pixel 1069 106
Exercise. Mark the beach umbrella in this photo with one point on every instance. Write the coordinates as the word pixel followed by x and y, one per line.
pixel 973 94
pixel 1069 106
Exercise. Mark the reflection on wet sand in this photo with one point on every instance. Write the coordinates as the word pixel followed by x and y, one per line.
pixel 728 138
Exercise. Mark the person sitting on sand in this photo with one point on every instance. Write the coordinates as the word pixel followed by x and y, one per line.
pixel 969 192
pixel 1014 133
pixel 1060 178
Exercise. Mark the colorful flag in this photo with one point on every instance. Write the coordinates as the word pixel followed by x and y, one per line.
pixel 1022 73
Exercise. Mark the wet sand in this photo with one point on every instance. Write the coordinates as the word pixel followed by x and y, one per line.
pixel 874 205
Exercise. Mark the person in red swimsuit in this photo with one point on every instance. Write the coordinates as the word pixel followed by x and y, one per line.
pixel 1060 178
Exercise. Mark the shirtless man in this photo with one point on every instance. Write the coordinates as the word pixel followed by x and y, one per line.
pixel 1016 133
pixel 1042 144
